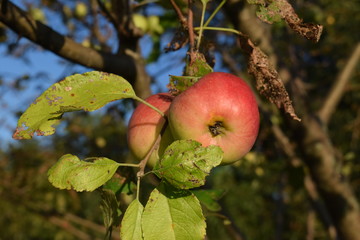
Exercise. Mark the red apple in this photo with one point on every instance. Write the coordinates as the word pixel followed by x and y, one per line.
pixel 220 109
pixel 145 126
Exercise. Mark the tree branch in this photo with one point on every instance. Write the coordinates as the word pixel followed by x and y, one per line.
pixel 337 90
pixel 320 157
pixel 23 24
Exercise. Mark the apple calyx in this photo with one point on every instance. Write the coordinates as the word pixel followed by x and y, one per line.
pixel 217 128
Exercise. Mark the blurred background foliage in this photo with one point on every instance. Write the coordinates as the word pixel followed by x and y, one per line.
pixel 265 196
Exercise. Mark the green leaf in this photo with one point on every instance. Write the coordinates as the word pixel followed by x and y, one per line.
pixel 119 184
pixel 263 2
pixel 209 198
pixel 198 67
pixel 88 92
pixel 131 223
pixel 181 83
pixel 194 70
pixel 109 206
pixel 171 214
pixel 70 172
pixel 185 163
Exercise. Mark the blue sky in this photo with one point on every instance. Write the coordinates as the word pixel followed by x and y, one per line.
pixel 53 69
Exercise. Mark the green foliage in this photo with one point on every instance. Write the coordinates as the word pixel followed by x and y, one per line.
pixel 265 189
pixel 185 163
pixel 119 184
pixel 109 206
pixel 196 67
pixel 70 172
pixel 209 198
pixel 131 224
pixel 174 214
pixel 88 92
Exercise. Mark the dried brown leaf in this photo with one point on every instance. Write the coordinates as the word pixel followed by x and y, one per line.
pixel 180 39
pixel 274 11
pixel 308 30
pixel 268 81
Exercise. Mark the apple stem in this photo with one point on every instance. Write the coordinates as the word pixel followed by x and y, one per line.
pixel 138 187
pixel 218 29
pixel 149 105
pixel 214 13
pixel 201 23
pixel 128 165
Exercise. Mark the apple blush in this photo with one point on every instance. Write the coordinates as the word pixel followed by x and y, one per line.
pixel 220 109
pixel 146 124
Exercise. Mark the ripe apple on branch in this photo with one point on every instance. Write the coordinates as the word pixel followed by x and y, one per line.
pixel 220 109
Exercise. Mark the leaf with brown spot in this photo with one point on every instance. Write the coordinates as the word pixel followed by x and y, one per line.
pixel 282 9
pixel 72 173
pixel 88 92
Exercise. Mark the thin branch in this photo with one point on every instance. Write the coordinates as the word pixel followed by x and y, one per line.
pixel 319 207
pixel 338 89
pixel 24 25
pixel 179 13
pixel 191 30
pixel 110 16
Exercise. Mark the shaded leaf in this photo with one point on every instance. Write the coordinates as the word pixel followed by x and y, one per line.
pixel 209 198
pixel 119 184
pixel 171 214
pixel 268 81
pixel 131 223
pixel 88 92
pixel 70 172
pixel 186 163
pixel 109 206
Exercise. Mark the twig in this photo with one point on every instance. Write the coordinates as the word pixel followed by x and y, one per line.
pixel 191 30
pixel 179 13
pixel 338 89
pixel 156 144
pixel 214 13
pixel 110 16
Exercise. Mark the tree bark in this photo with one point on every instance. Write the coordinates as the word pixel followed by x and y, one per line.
pixel 122 64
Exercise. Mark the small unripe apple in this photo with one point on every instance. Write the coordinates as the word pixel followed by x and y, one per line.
pixel 220 109
pixel 81 10
pixel 145 126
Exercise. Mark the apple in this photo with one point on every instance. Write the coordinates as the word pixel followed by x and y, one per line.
pixel 145 126
pixel 220 109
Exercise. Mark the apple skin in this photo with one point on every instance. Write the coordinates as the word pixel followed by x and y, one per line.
pixel 220 109
pixel 145 125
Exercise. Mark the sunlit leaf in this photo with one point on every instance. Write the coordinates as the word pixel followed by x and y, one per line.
pixel 131 223
pixel 194 70
pixel 198 67
pixel 185 163
pixel 171 214
pixel 71 172
pixel 88 92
